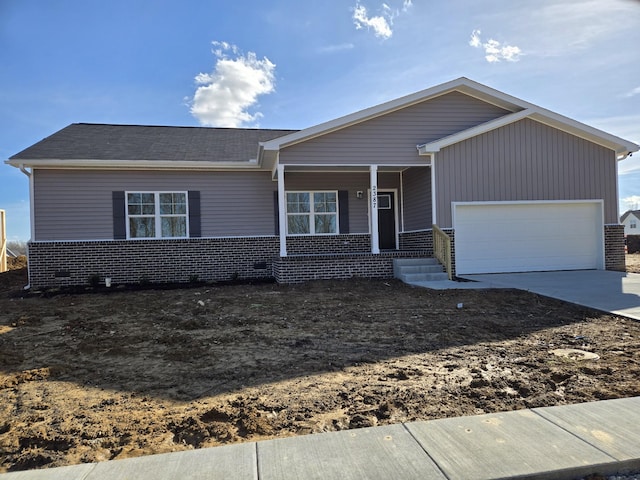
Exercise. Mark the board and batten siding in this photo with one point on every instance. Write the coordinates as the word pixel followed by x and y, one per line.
pixel 525 160
pixel 392 138
pixel 77 205
pixel 416 189
pixel 350 181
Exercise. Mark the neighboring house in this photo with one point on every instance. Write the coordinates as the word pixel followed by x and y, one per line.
pixel 516 187
pixel 631 221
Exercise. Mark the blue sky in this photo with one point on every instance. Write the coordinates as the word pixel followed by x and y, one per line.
pixel 293 64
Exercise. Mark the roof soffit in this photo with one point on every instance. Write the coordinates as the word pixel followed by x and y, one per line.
pixel 92 164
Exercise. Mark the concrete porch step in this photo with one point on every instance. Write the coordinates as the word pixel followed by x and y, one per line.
pixel 423 277
pixel 416 270
pixel 437 268
pixel 415 261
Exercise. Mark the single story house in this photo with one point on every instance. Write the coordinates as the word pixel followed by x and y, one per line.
pixel 631 221
pixel 484 180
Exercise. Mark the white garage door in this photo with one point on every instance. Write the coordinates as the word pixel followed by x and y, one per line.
pixel 525 237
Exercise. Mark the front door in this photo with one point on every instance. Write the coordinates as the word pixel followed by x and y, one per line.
pixel 386 220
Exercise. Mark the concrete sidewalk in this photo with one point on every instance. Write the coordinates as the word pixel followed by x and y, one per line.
pixel 566 442
pixel 614 292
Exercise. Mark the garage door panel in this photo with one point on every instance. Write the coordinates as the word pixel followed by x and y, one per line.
pixel 493 238
pixel 549 264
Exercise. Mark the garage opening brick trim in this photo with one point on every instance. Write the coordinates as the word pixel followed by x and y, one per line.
pixel 614 248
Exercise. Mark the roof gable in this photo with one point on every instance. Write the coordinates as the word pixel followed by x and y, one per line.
pixel 628 213
pixel 519 108
pixel 463 85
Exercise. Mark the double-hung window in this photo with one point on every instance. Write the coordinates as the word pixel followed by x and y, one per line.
pixel 312 213
pixel 157 215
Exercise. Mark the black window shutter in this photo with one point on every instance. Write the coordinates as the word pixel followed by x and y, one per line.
pixel 276 214
pixel 195 229
pixel 119 217
pixel 343 210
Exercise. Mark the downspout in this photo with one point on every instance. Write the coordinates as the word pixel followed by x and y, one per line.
pixel 29 174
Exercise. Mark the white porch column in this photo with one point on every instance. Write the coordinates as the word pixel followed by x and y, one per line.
pixel 434 219
pixel 282 209
pixel 375 240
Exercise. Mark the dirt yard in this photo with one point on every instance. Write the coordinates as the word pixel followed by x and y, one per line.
pixel 633 262
pixel 115 374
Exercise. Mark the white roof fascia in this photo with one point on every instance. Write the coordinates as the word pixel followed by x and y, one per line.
pixel 133 164
pixel 435 146
pixel 462 84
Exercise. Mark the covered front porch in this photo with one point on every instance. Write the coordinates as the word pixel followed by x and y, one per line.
pixel 343 222
pixel 368 209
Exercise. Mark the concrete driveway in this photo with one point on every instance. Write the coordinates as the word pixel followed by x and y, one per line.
pixel 613 292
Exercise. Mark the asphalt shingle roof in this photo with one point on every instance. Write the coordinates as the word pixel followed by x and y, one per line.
pixel 636 213
pixel 84 141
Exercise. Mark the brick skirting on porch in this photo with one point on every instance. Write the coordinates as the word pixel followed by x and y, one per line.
pixel 419 240
pixel 302 268
pixel 325 244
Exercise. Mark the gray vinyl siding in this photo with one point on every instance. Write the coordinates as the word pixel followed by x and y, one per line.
pixel 392 138
pixel 416 190
pixel 526 160
pixel 351 181
pixel 77 205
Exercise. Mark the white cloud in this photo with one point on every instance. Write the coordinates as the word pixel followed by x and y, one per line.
pixel 475 39
pixel 380 24
pixel 631 203
pixel 494 50
pixel 584 22
pixel 381 27
pixel 633 92
pixel 555 28
pixel 336 48
pixel 223 97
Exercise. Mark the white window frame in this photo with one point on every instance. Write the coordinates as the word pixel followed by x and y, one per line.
pixel 311 214
pixel 157 215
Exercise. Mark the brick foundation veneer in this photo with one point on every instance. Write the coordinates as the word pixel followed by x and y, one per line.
pixel 297 269
pixel 614 248
pixel 55 264
pixel 422 240
pixel 329 244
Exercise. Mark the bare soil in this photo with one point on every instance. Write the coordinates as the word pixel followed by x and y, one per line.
pixel 116 373
pixel 633 262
